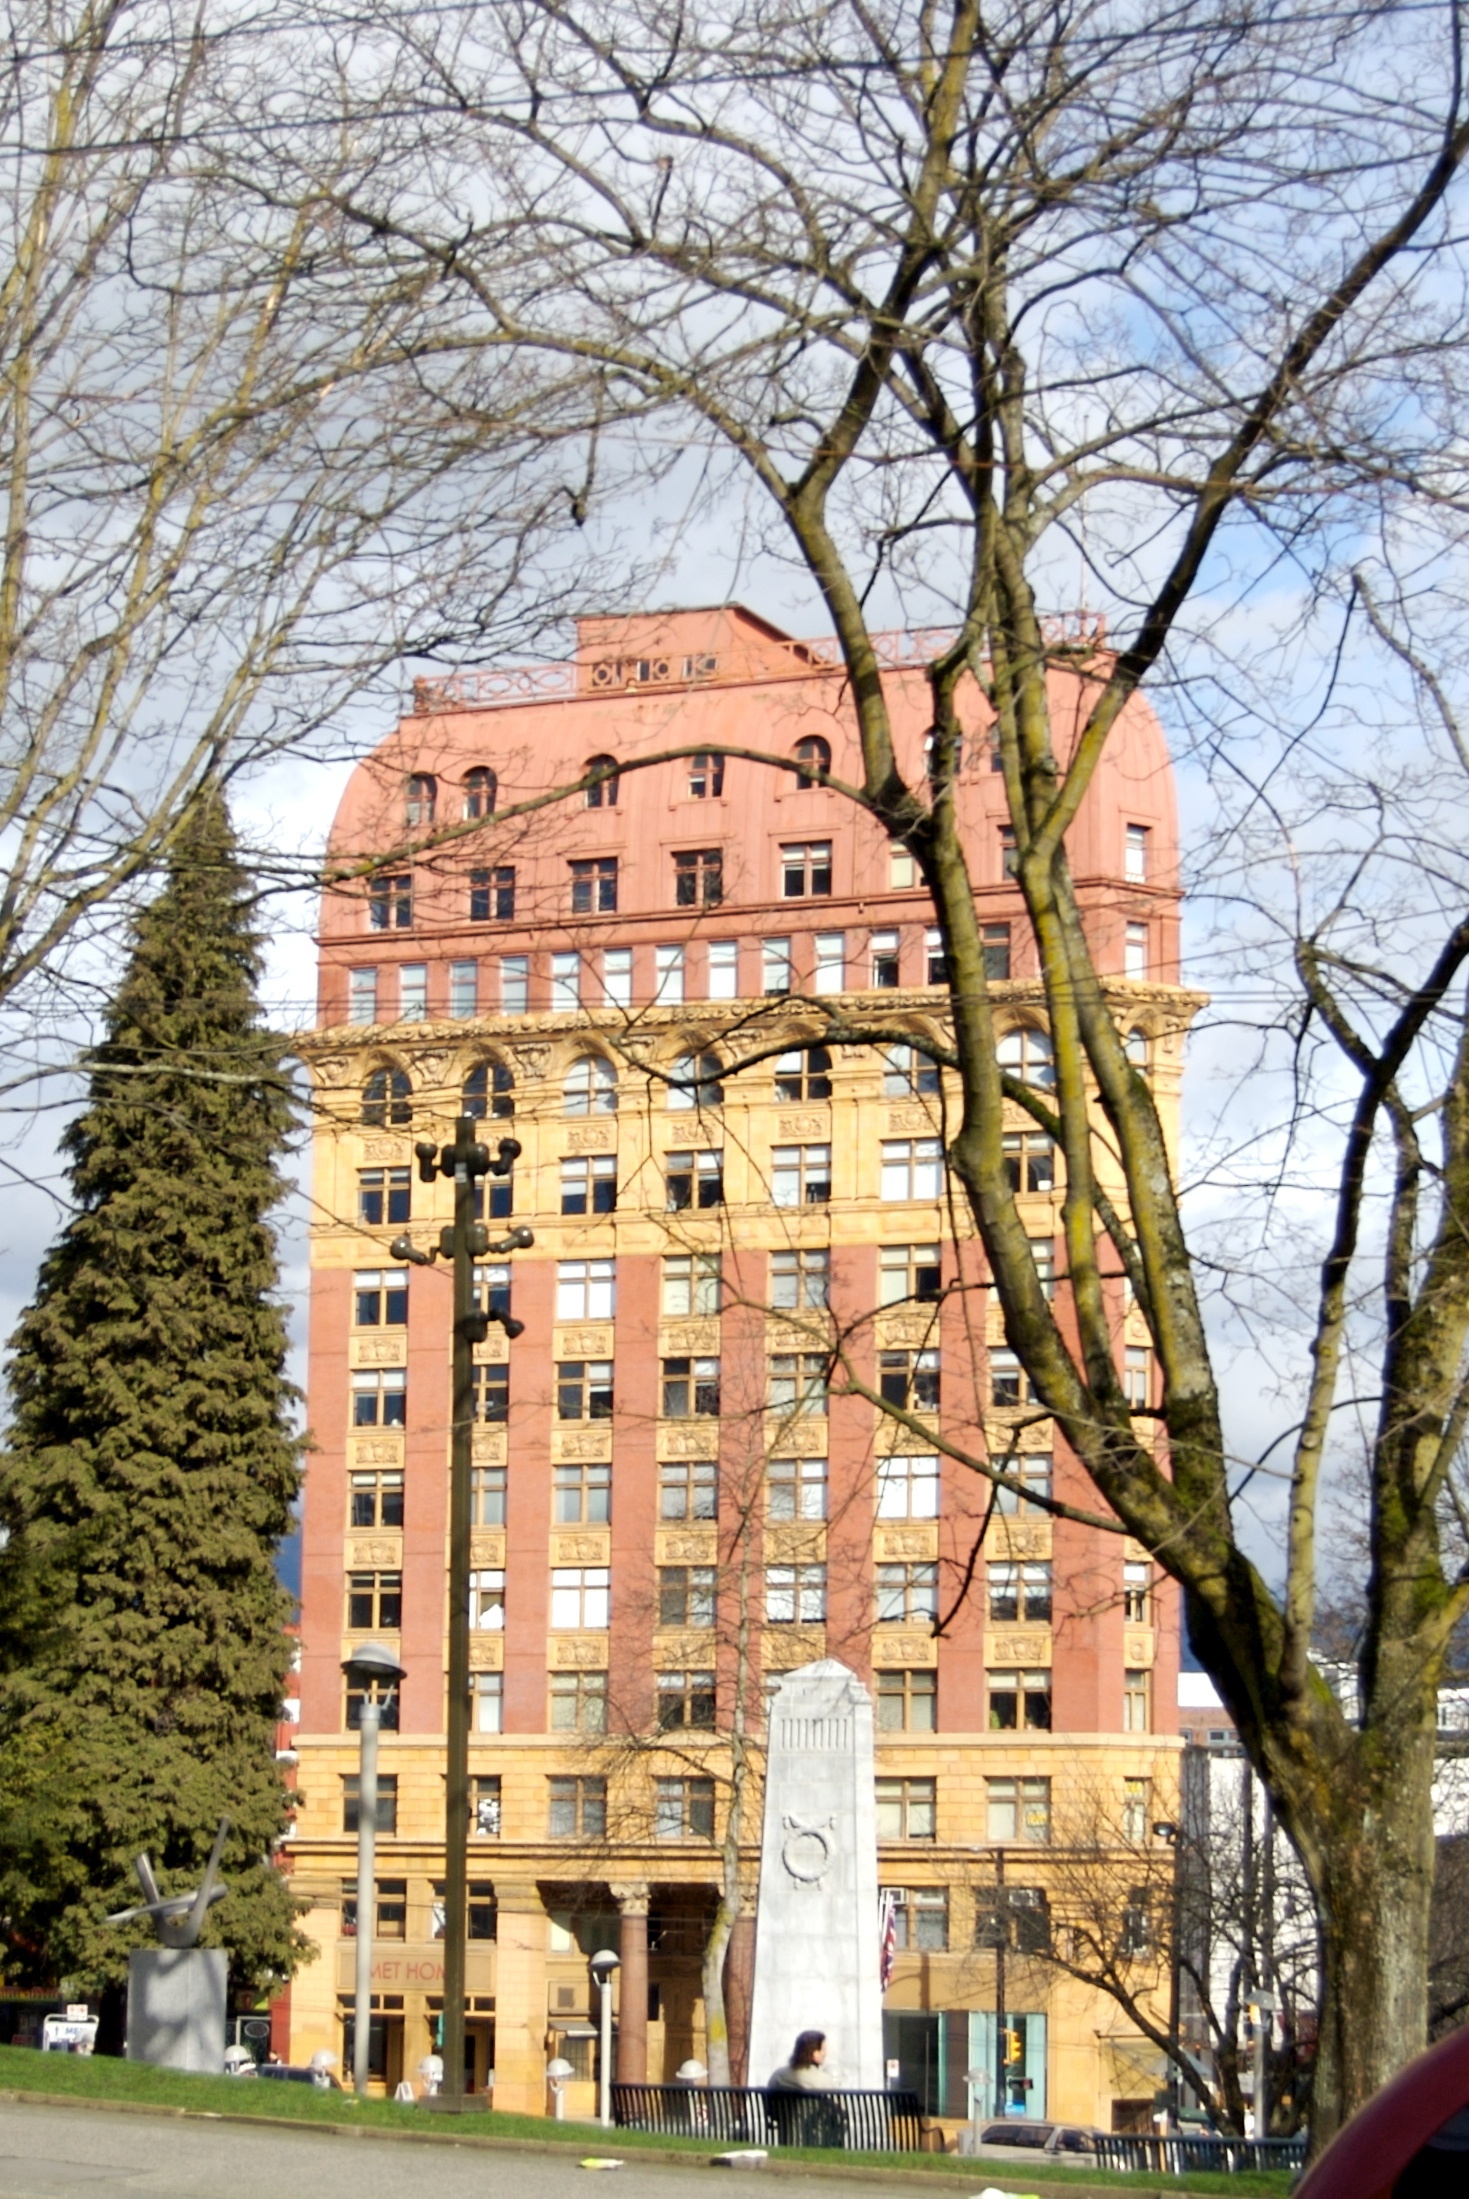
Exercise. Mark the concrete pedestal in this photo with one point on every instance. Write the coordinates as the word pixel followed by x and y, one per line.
pixel 816 1929
pixel 176 2007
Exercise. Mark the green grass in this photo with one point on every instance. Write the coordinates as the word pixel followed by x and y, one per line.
pixel 75 2077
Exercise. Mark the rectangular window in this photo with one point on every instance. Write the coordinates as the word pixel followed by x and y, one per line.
pixel 586 1290
pixel 514 984
pixel 1135 951
pixel 582 1493
pixel 686 1595
pixel 909 1075
pixel 480 1909
pixel 584 1389
pixel 724 969
pixel 908 1486
pixel 413 992
pixel 907 1809
pixel 683 1809
pixel 1030 1160
pixel 910 1380
pixel 909 1272
pixel 578 1702
pixel 1136 1705
pixel 490 1393
pixel 489 1702
pixel 800 1175
pixel 1137 1583
pixel 1020 1702
pixel 921 1919
pixel 698 878
pixel 907 1592
pixel 390 903
pixel 387 1712
pixel 796 1488
pixel 706 777
pixel 805 870
pixel 796 1382
pixel 594 886
pixel 463 990
pixel 380 1397
pixel 1137 1376
pixel 1137 1795
pixel 1018 1810
pixel 578 1809
pixel 374 1600
pixel 617 977
pixel 688 1488
pixel 685 1702
pixel 907 1702
pixel 693 1180
pixel 995 940
pixel 800 1281
pixel 491 1283
pixel 884 950
pixel 831 962
pixel 383 1195
pixel 795 1595
pixel 1009 853
pixel 775 966
pixel 492 895
pixel 912 1168
pixel 1009 1383
pixel 487 1600
pixel 902 867
pixel 487 1496
pixel 691 1283
pixel 376 1500
pixel 935 961
pixel 565 981
pixel 387 1803
pixel 1033 1471
pixel 1021 1593
pixel 380 1298
pixel 690 1389
pixel 581 1597
pixel 589 1184
pixel 362 996
pixel 1135 855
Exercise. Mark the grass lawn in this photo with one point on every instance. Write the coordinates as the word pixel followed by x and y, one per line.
pixel 77 2077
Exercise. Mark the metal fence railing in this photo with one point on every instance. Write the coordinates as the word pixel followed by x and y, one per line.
pixel 1179 2156
pixel 852 2122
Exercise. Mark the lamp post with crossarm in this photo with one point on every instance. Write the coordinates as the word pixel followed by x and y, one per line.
pixel 464 1241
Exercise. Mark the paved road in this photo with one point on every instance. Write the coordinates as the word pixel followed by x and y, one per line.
pixel 71 2153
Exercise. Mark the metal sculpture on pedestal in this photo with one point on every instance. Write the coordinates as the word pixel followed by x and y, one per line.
pixel 177 1991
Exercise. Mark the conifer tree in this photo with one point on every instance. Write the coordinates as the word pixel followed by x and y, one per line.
pixel 149 1468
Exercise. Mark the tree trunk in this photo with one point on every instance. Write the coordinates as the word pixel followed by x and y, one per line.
pixel 716 2021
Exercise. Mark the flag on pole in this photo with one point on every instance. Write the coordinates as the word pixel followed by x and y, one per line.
pixel 887 1912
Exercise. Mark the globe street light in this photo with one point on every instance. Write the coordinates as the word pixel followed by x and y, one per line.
pixel 377 1672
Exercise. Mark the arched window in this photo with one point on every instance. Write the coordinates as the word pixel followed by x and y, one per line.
pixel 1027 1055
pixel 419 799
pixel 489 1089
pixel 804 1074
pixel 909 1072
pixel 590 1087
pixel 1135 1046
pixel 693 1081
pixel 813 754
pixel 602 793
pixel 480 789
pixel 387 1098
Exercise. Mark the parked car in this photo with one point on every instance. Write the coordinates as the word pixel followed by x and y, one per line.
pixel 298 2073
pixel 1029 2142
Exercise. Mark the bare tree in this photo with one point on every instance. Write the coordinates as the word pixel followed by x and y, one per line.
pixel 968 302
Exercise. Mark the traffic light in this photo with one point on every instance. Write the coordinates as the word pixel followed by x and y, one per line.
pixel 1014 2047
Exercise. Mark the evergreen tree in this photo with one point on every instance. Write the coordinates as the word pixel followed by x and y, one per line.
pixel 149 1468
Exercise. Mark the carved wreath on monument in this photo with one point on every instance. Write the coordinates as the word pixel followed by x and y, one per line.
pixel 807 1848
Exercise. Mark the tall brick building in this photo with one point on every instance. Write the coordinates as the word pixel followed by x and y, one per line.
pixel 676 1490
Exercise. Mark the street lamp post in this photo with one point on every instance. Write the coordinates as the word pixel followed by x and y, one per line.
pixel 463 1242
pixel 377 1672
pixel 603 1965
pixel 1166 1829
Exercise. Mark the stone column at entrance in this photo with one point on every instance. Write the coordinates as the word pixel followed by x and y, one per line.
pixel 632 1986
pixel 523 1935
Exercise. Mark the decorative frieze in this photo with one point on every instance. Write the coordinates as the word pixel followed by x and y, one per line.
pixel 582 1546
pixel 487 1446
pixel 691 1339
pixel 1139 1647
pixel 786 1128
pixel 386 1152
pixel 591 1137
pixel 573 1445
pixel 783 1648
pixel 486 1652
pixel 1033 1647
pixel 487 1547
pixel 794 1542
pixel 686 1546
pixel 376 1450
pixel 912 1120
pixel 592 1340
pixel 378 1351
pixel 688 1439
pixel 579 1652
pixel 919 1539
pixel 494 1351
pixel 892 1651
pixel 911 1327
pixel 378 1550
pixel 1019 1538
